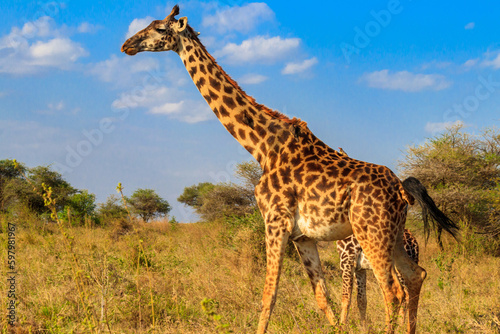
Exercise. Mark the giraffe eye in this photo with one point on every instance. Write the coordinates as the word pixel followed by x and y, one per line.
pixel 160 30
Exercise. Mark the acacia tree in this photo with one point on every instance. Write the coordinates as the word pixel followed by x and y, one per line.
pixel 213 202
pixel 462 173
pixel 17 189
pixel 193 195
pixel 147 204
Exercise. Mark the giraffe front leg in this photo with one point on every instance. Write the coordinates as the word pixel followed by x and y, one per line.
pixel 310 258
pixel 276 241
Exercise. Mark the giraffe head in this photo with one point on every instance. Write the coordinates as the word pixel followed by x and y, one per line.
pixel 160 35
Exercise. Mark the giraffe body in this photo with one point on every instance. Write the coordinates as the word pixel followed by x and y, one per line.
pixel 354 264
pixel 308 191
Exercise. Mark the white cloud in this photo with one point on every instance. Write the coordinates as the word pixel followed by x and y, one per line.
pixel 137 25
pixel 294 68
pixel 43 27
pixel 61 53
pixel 163 100
pixel 252 79
pixel 258 50
pixel 57 52
pixel 470 26
pixel 492 61
pixel 239 18
pixel 405 81
pixel 440 127
pixel 36 46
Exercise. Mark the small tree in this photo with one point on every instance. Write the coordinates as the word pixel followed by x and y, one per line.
pixel 81 206
pixel 112 209
pixel 147 204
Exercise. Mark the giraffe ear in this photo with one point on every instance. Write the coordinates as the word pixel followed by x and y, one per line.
pixel 182 24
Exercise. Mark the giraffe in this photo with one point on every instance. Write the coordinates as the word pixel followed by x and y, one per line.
pixel 353 262
pixel 308 192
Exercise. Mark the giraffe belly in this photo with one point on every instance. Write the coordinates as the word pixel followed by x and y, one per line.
pixel 321 230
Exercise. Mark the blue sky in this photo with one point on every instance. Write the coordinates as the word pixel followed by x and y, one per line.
pixel 369 76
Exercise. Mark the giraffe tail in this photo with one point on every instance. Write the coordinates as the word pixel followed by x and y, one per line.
pixel 429 208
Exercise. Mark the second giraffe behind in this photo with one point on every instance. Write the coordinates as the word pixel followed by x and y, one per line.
pixel 308 192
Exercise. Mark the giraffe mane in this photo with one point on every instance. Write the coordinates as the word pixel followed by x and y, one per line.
pixel 273 113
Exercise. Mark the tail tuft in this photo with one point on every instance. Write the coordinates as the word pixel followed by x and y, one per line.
pixel 429 208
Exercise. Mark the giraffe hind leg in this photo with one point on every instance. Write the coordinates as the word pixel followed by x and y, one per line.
pixel 413 277
pixel 382 263
pixel 361 297
pixel 347 263
pixel 310 258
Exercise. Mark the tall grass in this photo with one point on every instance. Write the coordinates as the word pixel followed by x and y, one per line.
pixel 187 278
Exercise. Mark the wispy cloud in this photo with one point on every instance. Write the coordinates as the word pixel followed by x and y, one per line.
pixel 438 127
pixel 239 18
pixel 295 68
pixel 492 60
pixel 405 81
pixel 252 79
pixel 258 50
pixel 87 28
pixel 471 63
pixel 137 25
pixel 163 100
pixel 470 26
pixel 123 71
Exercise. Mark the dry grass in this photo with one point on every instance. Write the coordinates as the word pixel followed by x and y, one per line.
pixel 158 285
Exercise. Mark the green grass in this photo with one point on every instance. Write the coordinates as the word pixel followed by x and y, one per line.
pixel 187 278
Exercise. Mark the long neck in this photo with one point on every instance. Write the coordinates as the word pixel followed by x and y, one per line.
pixel 253 125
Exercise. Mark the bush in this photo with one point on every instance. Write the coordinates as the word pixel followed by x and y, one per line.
pixel 224 200
pixel 462 173
pixel 111 210
pixel 80 207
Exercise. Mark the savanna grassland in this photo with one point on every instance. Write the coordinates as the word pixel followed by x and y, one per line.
pixel 166 277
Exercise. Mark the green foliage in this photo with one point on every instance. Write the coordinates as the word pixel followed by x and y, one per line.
pixel 80 206
pixel 222 200
pixel 462 173
pixel 249 173
pixel 27 189
pixel 111 210
pixel 226 199
pixel 147 204
pixel 192 196
pixel 8 172
pixel 209 307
